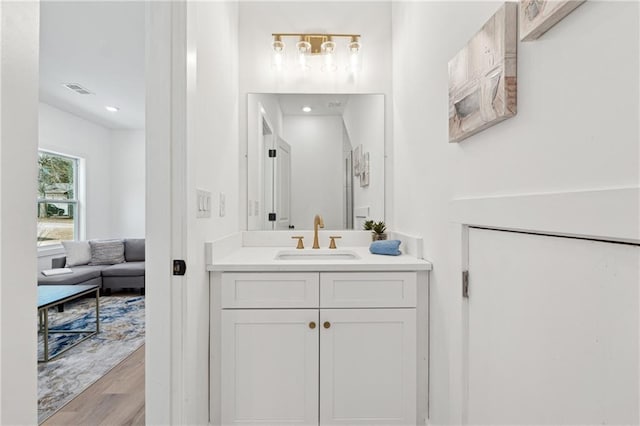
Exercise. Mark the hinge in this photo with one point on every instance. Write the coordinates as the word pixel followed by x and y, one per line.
pixel 272 153
pixel 465 284
pixel 179 267
pixel 272 217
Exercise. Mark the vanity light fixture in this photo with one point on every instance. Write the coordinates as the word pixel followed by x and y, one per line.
pixel 277 54
pixel 324 45
pixel 304 49
pixel 328 49
pixel 355 56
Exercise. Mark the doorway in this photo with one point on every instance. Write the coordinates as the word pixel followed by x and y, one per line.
pixel 91 116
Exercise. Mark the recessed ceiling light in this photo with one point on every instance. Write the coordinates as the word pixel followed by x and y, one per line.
pixel 112 108
pixel 306 108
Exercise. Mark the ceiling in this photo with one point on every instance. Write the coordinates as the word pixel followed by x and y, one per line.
pixel 100 46
pixel 291 104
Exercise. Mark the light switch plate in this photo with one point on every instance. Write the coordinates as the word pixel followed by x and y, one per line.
pixel 203 203
pixel 223 204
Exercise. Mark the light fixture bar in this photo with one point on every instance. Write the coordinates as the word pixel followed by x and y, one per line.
pixel 315 40
pixel 317 44
pixel 313 34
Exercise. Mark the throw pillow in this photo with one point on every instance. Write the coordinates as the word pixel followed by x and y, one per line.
pixel 106 252
pixel 77 252
pixel 134 249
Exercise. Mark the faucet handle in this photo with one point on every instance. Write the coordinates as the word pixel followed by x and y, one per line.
pixel 300 243
pixel 332 244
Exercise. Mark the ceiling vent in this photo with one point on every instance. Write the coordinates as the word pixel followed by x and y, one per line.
pixel 77 88
pixel 334 104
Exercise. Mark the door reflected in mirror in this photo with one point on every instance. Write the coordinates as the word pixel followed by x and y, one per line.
pixel 311 154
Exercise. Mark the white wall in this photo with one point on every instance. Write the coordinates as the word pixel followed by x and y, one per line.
pixel 316 169
pixel 69 134
pixel 362 118
pixel 576 129
pixel 212 165
pixel 259 19
pixel 19 23
pixel 127 180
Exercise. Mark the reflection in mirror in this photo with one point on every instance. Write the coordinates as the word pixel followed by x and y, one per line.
pixel 314 154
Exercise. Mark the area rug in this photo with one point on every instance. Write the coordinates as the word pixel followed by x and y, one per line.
pixel 121 333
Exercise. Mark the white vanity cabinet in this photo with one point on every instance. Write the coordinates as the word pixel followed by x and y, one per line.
pixel 318 348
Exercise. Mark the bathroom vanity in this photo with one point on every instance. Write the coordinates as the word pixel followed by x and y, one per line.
pixel 317 336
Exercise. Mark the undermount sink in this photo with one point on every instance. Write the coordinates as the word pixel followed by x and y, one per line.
pixel 321 254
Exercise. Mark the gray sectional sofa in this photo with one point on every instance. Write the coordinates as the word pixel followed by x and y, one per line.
pixel 128 274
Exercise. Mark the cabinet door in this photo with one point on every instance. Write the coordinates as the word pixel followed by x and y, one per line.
pixel 270 367
pixel 367 366
pixel 552 332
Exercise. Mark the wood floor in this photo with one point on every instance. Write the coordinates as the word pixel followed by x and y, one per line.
pixel 115 399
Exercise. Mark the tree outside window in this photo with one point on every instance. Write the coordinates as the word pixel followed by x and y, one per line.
pixel 57 198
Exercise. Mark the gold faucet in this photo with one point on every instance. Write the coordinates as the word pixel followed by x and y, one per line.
pixel 317 221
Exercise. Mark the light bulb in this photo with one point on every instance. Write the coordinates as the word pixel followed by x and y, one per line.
pixel 355 56
pixel 304 48
pixel 277 54
pixel 328 49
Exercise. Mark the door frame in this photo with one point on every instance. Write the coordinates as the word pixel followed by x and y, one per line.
pixel 19 58
pixel 166 144
pixel 166 386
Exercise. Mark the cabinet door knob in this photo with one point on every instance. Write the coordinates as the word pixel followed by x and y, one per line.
pixel 327 324
pixel 312 325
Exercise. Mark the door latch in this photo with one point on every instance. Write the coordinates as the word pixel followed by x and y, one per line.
pixel 179 267
pixel 465 284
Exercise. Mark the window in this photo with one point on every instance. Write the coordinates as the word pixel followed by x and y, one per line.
pixel 57 198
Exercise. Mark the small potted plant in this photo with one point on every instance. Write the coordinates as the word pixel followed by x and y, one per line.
pixel 368 225
pixel 377 229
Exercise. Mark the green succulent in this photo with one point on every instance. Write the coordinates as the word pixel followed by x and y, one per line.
pixel 379 227
pixel 368 225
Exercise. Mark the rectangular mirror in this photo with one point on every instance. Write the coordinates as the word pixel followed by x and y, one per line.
pixel 311 154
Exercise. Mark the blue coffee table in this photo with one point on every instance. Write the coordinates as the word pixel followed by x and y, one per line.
pixel 54 295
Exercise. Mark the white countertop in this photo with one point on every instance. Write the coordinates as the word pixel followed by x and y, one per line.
pixel 255 259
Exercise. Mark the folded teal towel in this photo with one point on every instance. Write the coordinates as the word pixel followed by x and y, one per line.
pixel 387 247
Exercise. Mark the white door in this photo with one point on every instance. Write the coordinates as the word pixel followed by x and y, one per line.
pixel 282 196
pixel 552 330
pixel 367 366
pixel 270 366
